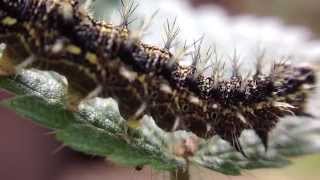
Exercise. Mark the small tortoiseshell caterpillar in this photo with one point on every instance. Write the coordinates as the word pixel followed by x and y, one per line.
pixel 149 80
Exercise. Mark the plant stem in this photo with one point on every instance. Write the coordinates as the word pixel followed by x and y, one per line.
pixel 180 174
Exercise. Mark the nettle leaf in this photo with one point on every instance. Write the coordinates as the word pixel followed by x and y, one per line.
pixel 293 136
pixel 97 128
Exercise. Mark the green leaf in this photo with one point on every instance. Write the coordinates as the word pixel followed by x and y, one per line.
pixel 48 85
pixel 49 115
pixel 293 136
pixel 97 128
pixel 88 139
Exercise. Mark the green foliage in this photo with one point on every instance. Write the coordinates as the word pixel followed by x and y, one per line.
pixel 96 129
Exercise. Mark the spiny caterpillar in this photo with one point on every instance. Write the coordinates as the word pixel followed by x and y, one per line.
pixel 145 79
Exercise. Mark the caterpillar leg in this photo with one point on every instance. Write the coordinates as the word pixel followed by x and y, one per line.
pixel 14 54
pixel 140 112
pixel 27 62
pixel 24 64
pixel 176 124
pixel 16 48
pixel 237 145
pixel 94 93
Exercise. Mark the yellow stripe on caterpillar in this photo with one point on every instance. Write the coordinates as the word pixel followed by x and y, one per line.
pixel 9 21
pixel 91 57
pixel 73 49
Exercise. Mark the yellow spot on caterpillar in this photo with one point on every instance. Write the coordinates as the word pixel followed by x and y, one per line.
pixel 194 100
pixel 126 73
pixel 9 21
pixel 92 58
pixel 105 29
pixel 132 123
pixel 142 78
pixel 66 10
pixel 73 49
pixel 165 88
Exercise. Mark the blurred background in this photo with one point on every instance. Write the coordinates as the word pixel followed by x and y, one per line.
pixel 30 152
pixel 295 12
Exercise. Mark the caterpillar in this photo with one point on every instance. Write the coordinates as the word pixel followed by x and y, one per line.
pixel 146 79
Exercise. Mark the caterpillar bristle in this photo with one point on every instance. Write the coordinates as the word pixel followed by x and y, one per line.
pixel 245 80
pixel 86 5
pixel 237 145
pixel 196 54
pixel 181 52
pixel 172 31
pixel 142 31
pixel 259 63
pixel 203 61
pixel 185 50
pixel 127 10
pixel 208 55
pixel 137 74
pixel 235 64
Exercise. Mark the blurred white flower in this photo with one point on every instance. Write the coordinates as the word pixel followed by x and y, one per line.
pixel 246 34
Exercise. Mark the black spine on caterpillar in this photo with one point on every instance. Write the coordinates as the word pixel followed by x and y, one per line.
pixel 239 103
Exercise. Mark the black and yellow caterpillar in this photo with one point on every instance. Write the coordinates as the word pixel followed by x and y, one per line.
pixel 149 80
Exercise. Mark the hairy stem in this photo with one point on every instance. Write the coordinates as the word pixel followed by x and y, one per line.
pixel 180 174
